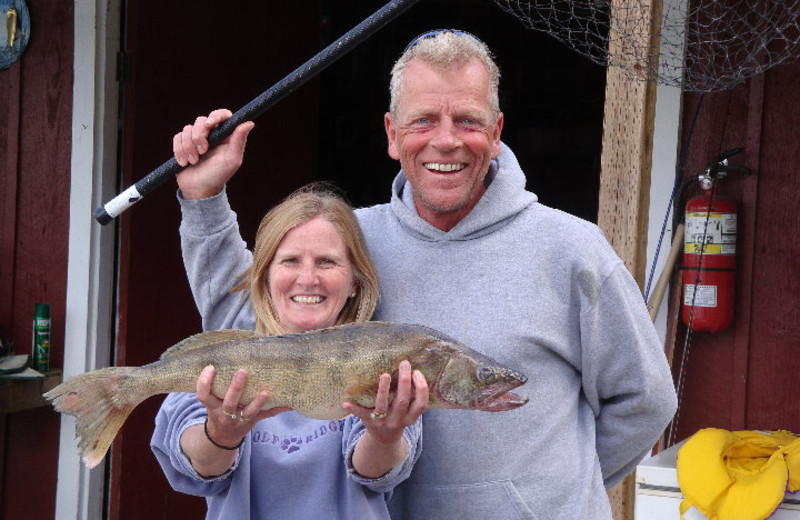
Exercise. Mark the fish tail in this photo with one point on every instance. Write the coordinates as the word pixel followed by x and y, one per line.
pixel 100 401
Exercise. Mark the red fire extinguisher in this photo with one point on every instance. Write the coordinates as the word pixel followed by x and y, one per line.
pixel 709 258
pixel 709 262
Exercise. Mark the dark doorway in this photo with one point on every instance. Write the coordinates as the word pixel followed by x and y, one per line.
pixel 181 59
pixel 552 99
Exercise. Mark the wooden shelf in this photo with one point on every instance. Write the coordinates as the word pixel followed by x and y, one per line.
pixel 25 394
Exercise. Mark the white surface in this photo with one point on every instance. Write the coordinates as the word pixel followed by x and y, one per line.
pixel 659 471
pixel 662 507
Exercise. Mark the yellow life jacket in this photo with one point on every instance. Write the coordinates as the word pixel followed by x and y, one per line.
pixel 740 475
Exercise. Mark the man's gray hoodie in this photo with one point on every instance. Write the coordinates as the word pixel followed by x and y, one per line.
pixel 542 292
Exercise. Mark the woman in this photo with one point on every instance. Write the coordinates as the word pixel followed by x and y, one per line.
pixel 309 269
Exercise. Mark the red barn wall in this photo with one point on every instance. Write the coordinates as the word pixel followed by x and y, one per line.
pixel 746 377
pixel 35 143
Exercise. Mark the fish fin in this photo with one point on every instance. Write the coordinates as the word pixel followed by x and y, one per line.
pixel 100 401
pixel 205 339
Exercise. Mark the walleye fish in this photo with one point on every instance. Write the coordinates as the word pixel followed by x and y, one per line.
pixel 312 372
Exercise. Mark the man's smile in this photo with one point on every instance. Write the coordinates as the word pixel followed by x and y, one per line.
pixel 444 167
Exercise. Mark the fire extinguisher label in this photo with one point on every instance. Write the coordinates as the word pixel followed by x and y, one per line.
pixel 711 234
pixel 700 295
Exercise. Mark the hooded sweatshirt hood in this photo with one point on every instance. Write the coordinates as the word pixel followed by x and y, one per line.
pixel 504 199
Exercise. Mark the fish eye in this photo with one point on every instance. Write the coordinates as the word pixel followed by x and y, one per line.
pixel 486 375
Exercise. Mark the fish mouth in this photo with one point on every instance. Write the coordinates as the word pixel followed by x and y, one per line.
pixel 499 398
pixel 501 402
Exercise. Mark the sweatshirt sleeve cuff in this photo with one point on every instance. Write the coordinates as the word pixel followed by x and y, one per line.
pixel 206 216
pixel 390 477
pixel 186 464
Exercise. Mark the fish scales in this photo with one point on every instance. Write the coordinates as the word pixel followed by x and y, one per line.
pixel 299 370
pixel 311 372
pixel 306 371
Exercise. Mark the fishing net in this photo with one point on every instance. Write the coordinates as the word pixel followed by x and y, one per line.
pixel 704 45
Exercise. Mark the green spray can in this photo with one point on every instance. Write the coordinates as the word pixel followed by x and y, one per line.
pixel 40 350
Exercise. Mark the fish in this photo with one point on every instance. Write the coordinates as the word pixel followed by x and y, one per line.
pixel 311 372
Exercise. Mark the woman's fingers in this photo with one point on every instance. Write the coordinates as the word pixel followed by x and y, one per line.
pixel 403 398
pixel 191 143
pixel 204 383
pixel 230 404
pixel 382 398
pixel 387 421
pixel 421 395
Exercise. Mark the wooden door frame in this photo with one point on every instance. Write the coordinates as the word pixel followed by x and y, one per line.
pixel 90 277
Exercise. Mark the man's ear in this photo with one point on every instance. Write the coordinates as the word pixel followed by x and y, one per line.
pixel 391 135
pixel 498 128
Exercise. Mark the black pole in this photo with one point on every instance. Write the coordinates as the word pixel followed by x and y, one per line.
pixel 259 105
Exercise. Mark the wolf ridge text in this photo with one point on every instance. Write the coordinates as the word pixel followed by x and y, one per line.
pixel 293 443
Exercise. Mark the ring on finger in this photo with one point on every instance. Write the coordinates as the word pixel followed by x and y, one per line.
pixel 232 415
pixel 241 417
pixel 375 414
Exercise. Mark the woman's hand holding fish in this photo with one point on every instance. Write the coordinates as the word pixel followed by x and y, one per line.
pixel 382 447
pixel 212 447
pixel 199 180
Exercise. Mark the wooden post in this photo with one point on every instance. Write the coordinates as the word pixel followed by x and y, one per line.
pixel 627 159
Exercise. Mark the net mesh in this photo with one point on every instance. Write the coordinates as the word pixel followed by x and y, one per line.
pixel 700 46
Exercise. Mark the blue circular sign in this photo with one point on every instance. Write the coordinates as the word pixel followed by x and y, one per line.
pixel 15 29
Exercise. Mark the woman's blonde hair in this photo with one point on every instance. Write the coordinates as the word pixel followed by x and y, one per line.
pixel 318 199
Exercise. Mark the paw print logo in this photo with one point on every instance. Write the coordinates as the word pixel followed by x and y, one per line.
pixel 291 444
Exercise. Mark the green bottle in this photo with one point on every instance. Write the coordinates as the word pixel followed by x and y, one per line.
pixel 40 351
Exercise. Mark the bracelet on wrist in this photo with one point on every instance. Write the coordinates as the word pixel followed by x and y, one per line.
pixel 218 445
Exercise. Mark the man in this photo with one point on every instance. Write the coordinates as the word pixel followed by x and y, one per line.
pixel 463 248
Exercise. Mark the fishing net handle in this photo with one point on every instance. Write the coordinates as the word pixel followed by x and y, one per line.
pixel 113 208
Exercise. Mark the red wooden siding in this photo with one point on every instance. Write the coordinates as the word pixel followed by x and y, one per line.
pixel 746 377
pixel 35 126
